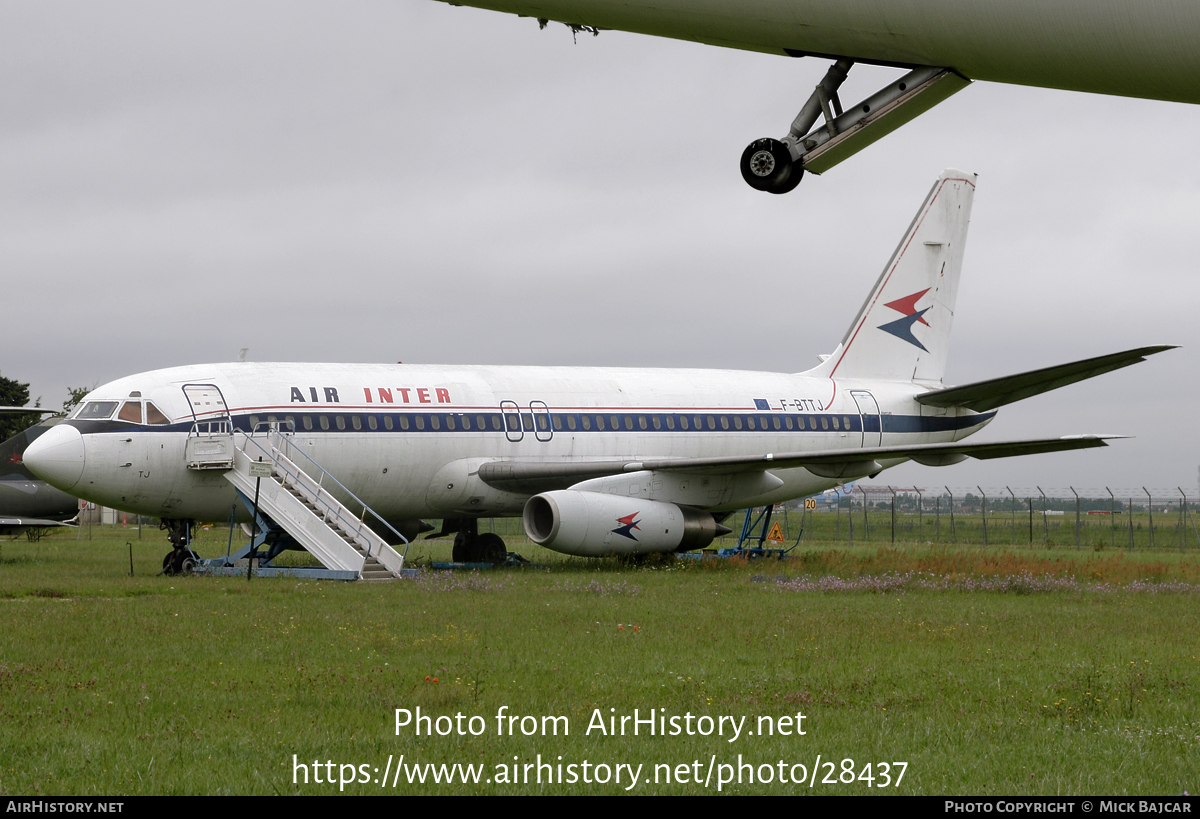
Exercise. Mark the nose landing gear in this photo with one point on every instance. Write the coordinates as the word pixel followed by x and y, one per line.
pixel 181 559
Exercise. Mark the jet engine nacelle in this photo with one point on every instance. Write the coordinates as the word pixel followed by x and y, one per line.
pixel 590 524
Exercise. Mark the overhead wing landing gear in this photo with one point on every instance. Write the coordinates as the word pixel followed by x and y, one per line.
pixel 777 165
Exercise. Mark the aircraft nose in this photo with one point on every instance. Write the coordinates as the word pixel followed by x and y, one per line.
pixel 56 456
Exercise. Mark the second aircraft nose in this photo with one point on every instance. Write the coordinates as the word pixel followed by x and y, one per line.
pixel 57 456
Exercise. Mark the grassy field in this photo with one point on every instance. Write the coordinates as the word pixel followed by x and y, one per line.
pixel 955 670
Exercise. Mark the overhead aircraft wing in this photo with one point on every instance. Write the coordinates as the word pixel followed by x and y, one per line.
pixel 996 392
pixel 14 526
pixel 516 475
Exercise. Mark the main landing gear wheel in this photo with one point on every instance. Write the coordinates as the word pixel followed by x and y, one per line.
pixel 486 548
pixel 767 166
pixel 490 548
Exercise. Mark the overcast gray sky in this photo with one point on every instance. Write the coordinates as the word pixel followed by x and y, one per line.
pixel 406 180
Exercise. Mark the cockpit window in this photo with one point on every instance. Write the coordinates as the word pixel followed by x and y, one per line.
pixel 153 416
pixel 97 410
pixel 132 412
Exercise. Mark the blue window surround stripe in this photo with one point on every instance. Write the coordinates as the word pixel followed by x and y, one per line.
pixel 763 422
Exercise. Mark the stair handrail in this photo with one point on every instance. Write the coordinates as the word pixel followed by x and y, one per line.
pixel 356 524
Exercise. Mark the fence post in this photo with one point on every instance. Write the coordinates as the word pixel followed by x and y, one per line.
pixel 1076 494
pixel 1150 508
pixel 1131 523
pixel 952 533
pixel 1112 517
pixel 1182 521
pixel 1012 527
pixel 937 512
pixel 983 509
pixel 1045 520
pixel 866 522
pixel 920 514
pixel 893 491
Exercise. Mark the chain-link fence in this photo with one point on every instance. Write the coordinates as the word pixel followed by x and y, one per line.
pixel 1086 518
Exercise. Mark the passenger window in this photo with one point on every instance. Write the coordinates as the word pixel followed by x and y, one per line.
pixel 466 421
pixel 571 422
pixel 812 422
pixel 253 422
pixel 657 422
pixel 824 422
pixel 387 422
pixel 587 421
pixel 599 422
pixel 527 422
pixel 419 421
pixel 558 422
pixel 153 416
pixel 724 422
pixel 616 422
pixel 542 423
pixel 435 422
pixel 790 423
pixel 324 422
pixel 403 422
pixel 835 422
pixel 670 422
pixel 750 422
pixel 628 422
pixel 775 421
pixel 132 412
pixel 712 422
pixel 846 421
pixel 495 422
pixel 480 422
pixel 449 422
pixel 341 422
pixel 683 422
pixel 307 421
pixel 737 422
pixel 289 419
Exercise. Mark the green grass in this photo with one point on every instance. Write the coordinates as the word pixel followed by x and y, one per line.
pixel 111 684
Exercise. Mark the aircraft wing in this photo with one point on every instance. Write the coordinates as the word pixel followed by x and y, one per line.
pixel 996 392
pixel 543 476
pixel 14 526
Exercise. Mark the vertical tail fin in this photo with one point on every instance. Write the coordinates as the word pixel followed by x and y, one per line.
pixel 902 331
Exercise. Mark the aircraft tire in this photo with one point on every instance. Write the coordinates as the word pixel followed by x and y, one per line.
pixel 766 166
pixel 490 548
pixel 795 174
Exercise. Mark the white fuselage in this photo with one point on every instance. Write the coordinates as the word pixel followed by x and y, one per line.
pixel 409 440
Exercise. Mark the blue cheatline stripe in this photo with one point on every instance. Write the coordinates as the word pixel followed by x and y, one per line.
pixel 313 421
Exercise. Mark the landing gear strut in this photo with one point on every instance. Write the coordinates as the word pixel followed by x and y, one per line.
pixel 472 547
pixel 777 165
pixel 181 559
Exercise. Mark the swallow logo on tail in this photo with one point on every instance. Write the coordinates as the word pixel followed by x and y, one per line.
pixel 902 327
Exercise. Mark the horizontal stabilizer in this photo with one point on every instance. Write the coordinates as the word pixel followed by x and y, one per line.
pixel 545 476
pixel 986 395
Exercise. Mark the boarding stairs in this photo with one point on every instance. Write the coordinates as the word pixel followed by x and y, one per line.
pixel 263 468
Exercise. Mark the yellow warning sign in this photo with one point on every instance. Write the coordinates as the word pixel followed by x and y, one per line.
pixel 776 533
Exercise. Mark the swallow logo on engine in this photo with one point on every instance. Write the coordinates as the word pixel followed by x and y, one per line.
pixel 628 524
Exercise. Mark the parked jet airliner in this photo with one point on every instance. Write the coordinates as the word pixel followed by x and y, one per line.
pixel 598 461
pixel 1148 49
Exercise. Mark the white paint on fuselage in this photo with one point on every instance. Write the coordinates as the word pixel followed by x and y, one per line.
pixel 422 474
